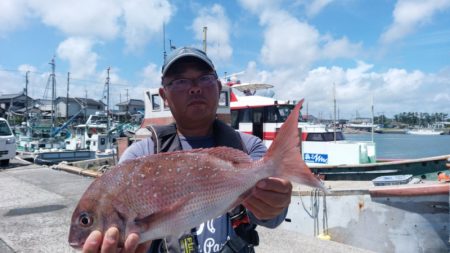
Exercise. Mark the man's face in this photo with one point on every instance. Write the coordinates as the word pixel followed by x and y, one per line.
pixel 194 103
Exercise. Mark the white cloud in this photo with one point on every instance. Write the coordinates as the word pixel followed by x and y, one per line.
pixel 409 15
pixel 257 6
pixel 144 20
pixel 288 41
pixel 394 91
pixel 26 67
pixel 340 48
pixel 10 81
pixel 138 21
pixel 401 82
pixel 79 53
pixel 97 19
pixel 291 42
pixel 13 82
pixel 316 6
pixel 218 31
pixel 12 15
pixel 151 76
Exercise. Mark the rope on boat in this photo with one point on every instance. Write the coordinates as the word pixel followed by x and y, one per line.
pixel 315 196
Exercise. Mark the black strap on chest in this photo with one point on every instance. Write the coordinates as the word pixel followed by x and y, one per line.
pixel 165 139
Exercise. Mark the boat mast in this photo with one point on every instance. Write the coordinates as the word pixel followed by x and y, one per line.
pixel 107 100
pixel 164 41
pixel 334 115
pixel 372 119
pixel 67 96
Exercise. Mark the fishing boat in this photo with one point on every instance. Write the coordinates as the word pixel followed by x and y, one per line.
pixel 93 136
pixel 424 168
pixel 324 148
pixel 403 215
pixel 425 131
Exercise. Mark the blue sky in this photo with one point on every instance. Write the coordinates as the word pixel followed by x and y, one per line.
pixel 396 52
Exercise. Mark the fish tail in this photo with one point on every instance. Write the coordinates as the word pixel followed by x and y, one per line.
pixel 285 154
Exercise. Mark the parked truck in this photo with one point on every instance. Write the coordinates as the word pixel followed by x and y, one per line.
pixel 7 143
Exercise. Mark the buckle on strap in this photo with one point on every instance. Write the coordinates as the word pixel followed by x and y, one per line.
pixel 234 245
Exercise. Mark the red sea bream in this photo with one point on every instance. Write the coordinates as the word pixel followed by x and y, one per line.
pixel 168 193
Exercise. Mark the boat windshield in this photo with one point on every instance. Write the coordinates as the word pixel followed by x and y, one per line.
pixel 328 136
pixel 4 129
pixel 281 112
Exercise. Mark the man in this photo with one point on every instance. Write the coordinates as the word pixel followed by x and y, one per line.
pixel 190 87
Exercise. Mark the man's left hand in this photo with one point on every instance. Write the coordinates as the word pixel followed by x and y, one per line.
pixel 269 198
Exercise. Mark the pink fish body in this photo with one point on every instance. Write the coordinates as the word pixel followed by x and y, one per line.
pixel 169 193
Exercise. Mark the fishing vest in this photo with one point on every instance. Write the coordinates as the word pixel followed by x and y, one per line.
pixel 165 139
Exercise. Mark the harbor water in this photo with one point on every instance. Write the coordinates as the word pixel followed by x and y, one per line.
pixel 399 146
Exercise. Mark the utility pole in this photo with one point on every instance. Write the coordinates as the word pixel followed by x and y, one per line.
pixel 128 103
pixel 85 104
pixel 26 96
pixel 52 76
pixel 127 93
pixel 67 96
pixel 107 98
pixel 205 29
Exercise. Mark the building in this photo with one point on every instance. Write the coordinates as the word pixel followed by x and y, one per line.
pixel 130 110
pixel 15 101
pixel 81 106
pixel 132 106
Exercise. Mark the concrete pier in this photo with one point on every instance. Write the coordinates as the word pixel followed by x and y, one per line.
pixel 36 204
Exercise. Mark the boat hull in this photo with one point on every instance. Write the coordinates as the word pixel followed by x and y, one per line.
pixel 425 168
pixel 407 222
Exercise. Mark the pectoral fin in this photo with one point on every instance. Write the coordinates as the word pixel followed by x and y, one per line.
pixel 147 222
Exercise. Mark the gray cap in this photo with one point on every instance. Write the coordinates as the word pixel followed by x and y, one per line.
pixel 184 52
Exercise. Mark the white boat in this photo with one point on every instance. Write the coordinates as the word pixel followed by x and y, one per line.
pixel 324 149
pixel 263 117
pixel 425 131
pixel 92 136
pixel 321 145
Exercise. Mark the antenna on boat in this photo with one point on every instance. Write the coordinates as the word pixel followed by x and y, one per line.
pixel 205 29
pixel 164 41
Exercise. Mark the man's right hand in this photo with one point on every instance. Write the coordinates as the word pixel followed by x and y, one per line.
pixel 108 244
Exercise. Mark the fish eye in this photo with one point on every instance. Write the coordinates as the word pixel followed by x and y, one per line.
pixel 85 220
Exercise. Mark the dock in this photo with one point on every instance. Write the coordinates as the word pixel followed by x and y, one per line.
pixel 37 202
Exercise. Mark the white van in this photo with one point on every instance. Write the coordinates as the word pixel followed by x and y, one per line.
pixel 7 143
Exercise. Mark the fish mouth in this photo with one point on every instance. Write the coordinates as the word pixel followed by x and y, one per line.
pixel 76 245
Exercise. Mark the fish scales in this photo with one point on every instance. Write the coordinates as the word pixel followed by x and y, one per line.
pixel 169 193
